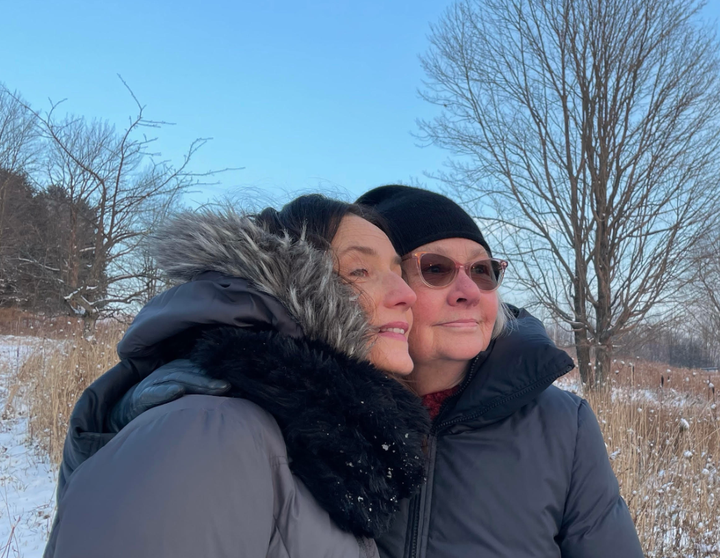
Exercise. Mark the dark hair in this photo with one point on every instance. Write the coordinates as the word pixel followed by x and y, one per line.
pixel 314 217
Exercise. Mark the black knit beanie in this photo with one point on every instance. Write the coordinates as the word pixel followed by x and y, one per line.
pixel 416 217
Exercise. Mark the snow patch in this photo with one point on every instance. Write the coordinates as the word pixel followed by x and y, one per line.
pixel 27 479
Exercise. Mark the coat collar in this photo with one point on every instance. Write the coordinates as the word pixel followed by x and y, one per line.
pixel 513 371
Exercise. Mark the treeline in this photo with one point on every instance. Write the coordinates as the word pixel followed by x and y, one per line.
pixel 78 199
pixel 689 340
pixel 46 243
pixel 676 347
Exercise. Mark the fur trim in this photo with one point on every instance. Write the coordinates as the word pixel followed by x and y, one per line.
pixel 298 275
pixel 353 435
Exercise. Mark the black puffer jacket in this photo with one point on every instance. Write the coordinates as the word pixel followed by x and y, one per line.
pixel 309 456
pixel 518 468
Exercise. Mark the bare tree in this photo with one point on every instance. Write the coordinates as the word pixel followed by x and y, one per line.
pixel 114 186
pixel 144 278
pixel 588 135
pixel 19 137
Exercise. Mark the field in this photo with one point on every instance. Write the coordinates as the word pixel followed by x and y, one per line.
pixel 44 366
pixel 660 425
pixel 662 434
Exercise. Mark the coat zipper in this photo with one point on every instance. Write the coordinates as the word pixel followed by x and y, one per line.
pixel 414 524
pixel 415 502
pixel 418 506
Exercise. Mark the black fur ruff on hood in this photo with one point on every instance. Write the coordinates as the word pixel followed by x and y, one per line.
pixel 354 436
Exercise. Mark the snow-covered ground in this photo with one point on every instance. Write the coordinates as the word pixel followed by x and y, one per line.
pixel 27 480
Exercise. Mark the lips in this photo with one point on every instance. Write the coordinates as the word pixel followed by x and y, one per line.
pixel 462 323
pixel 394 330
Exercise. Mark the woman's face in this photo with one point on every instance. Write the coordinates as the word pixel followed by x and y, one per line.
pixel 367 259
pixel 452 323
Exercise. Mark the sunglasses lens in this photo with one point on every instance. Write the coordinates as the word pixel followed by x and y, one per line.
pixel 486 274
pixel 437 270
pixel 440 271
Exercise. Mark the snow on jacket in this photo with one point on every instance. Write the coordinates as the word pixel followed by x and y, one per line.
pixel 517 467
pixel 310 455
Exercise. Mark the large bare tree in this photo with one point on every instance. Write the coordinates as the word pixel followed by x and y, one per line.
pixel 19 152
pixel 587 132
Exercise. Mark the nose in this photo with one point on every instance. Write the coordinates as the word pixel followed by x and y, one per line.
pixel 464 291
pixel 398 293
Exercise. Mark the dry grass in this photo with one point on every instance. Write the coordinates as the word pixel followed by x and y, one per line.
pixel 14 321
pixel 660 425
pixel 51 380
pixel 663 439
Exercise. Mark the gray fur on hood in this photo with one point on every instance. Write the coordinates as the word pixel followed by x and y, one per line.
pixel 300 276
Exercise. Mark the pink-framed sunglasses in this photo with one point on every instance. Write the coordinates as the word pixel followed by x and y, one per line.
pixel 437 271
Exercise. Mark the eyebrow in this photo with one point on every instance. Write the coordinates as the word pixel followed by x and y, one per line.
pixel 367 251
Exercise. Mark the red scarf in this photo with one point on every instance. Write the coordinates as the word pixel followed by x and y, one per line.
pixel 433 401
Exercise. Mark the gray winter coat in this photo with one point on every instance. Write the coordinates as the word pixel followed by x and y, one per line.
pixel 309 456
pixel 517 467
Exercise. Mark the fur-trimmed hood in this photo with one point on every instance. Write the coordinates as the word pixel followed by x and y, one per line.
pixel 295 273
pixel 354 436
pixel 271 316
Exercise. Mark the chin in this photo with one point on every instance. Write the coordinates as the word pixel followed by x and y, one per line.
pixel 402 365
pixel 398 366
pixel 391 359
pixel 473 344
pixel 402 369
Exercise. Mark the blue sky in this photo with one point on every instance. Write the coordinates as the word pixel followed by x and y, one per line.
pixel 305 95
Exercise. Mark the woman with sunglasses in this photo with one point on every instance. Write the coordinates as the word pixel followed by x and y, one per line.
pixel 312 448
pixel 517 467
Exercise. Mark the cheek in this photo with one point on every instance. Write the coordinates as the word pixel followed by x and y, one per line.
pixel 367 300
pixel 417 333
pixel 426 309
pixel 491 306
pixel 421 332
pixel 391 357
pixel 377 355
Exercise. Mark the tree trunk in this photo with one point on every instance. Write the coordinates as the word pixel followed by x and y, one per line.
pixel 89 323
pixel 603 363
pixel 582 348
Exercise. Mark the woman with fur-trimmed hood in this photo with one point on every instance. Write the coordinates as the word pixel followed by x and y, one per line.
pixel 303 313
